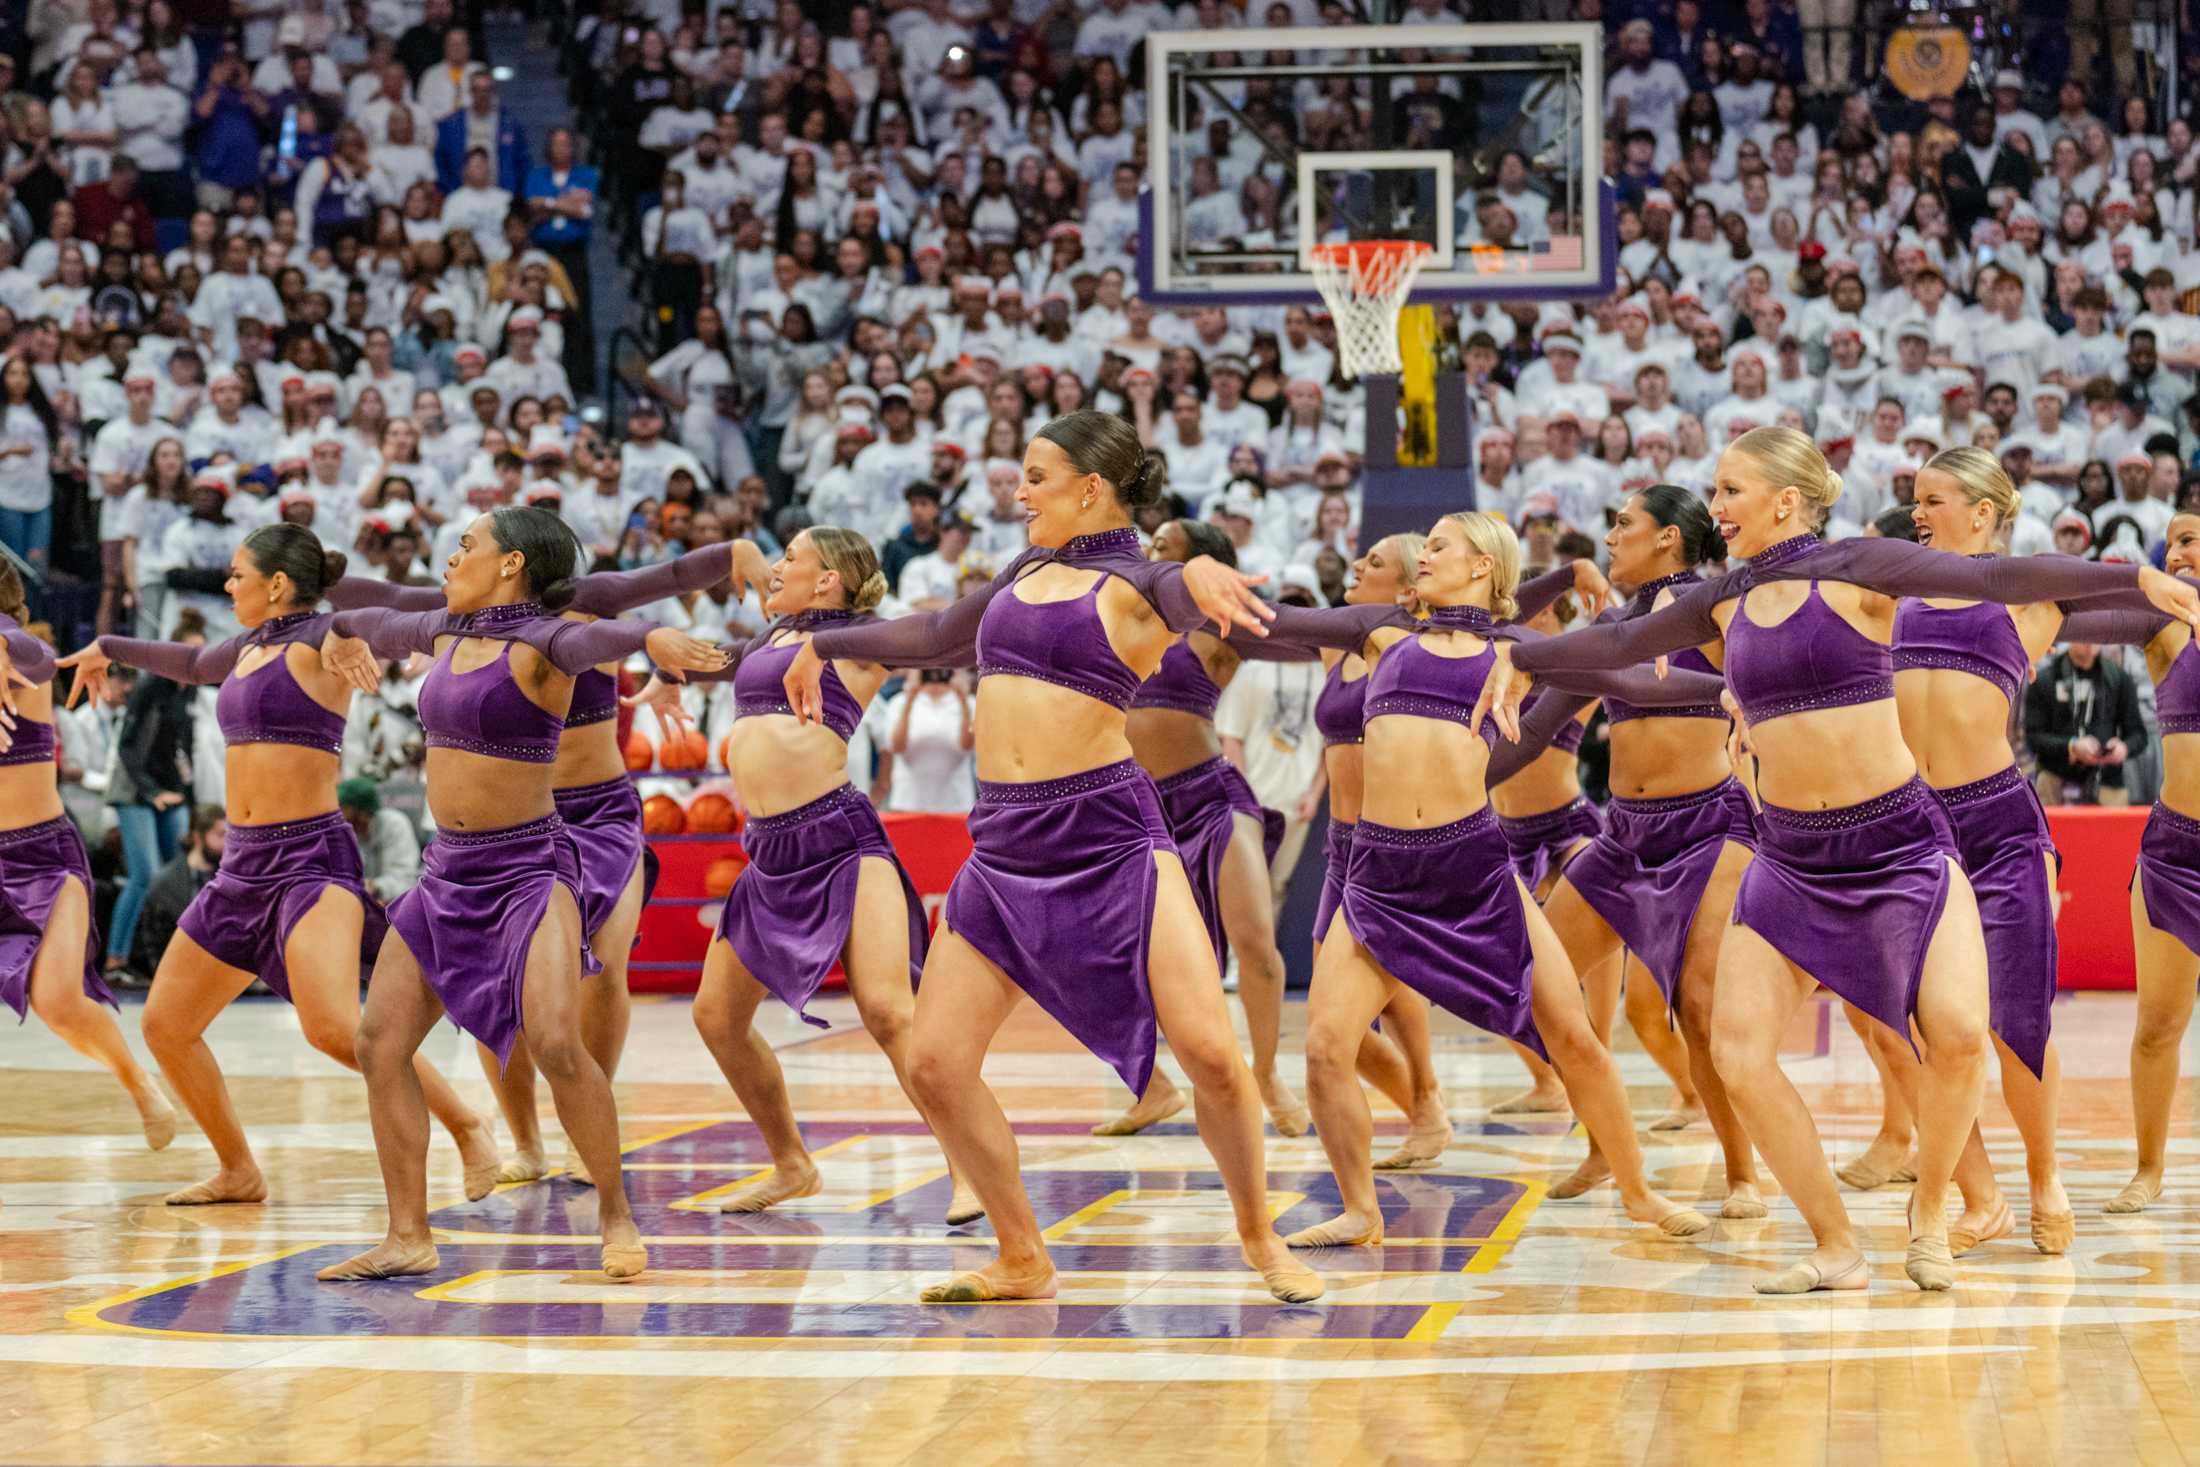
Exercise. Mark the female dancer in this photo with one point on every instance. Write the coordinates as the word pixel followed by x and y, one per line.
pixel 1856 883
pixel 601 811
pixel 2165 890
pixel 823 883
pixel 1405 1071
pixel 492 933
pixel 289 905
pixel 1958 670
pixel 1074 894
pixel 1431 900
pixel 49 949
pixel 1658 881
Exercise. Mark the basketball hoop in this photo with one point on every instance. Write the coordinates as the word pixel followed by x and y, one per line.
pixel 1366 283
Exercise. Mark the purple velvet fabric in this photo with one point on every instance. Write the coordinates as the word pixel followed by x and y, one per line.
pixel 271 876
pixel 36 864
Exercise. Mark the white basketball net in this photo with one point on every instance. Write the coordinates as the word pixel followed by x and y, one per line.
pixel 1366 283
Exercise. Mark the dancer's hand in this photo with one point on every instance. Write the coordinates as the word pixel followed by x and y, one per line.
pixel 677 652
pixel 10 679
pixel 1502 692
pixel 1663 664
pixel 1226 596
pixel 91 666
pixel 663 699
pixel 2172 594
pixel 805 685
pixel 351 659
pixel 1590 587
pixel 751 571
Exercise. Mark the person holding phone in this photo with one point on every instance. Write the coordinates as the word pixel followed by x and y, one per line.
pixel 150 787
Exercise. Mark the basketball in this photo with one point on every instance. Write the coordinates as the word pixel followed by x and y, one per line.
pixel 641 754
pixel 712 814
pixel 719 875
pixel 685 749
pixel 662 815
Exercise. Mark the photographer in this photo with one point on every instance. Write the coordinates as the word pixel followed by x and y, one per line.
pixel 2082 724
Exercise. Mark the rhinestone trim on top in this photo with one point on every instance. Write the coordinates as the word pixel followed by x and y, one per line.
pixel 598 713
pixel 1091 690
pixel 1646 595
pixel 1793 548
pixel 275 626
pixel 818 616
pixel 1460 619
pixel 1107 542
pixel 510 614
pixel 518 753
pixel 1948 661
pixel 285 736
pixel 1893 802
pixel 1871 692
pixel 1039 791
pixel 2180 723
pixel 2176 820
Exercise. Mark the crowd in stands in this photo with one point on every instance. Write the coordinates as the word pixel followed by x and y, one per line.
pixel 302 261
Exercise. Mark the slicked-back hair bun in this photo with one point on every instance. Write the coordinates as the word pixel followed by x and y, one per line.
pixel 1104 444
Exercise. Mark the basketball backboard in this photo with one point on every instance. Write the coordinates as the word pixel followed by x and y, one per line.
pixel 1482 141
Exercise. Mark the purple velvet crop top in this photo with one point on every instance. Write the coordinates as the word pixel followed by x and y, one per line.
pixel 33 739
pixel 604 593
pixel 1340 713
pixel 1180 682
pixel 1059 642
pixel 1619 710
pixel 759 680
pixel 263 706
pixel 1979 639
pixel 1411 680
pixel 1813 659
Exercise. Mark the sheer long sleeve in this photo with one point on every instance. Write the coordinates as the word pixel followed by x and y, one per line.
pixel 392 634
pixel 1640 686
pixel 1899 568
pixel 573 647
pixel 615 593
pixel 725 674
pixel 2126 627
pixel 173 660
pixel 1301 632
pixel 26 654
pixel 1541 594
pixel 1542 723
pixel 353 592
pixel 944 638
pixel 1687 622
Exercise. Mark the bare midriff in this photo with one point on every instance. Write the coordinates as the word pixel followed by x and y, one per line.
pixel 779 763
pixel 271 784
pixel 30 794
pixel 1831 758
pixel 1661 758
pixel 477 792
pixel 1956 724
pixel 1436 770
pixel 2181 773
pixel 1029 730
pixel 1344 766
pixel 1552 782
pixel 589 754
pixel 1168 741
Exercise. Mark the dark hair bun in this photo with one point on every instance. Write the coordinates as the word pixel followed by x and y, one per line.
pixel 1683 509
pixel 1149 481
pixel 333 563
pixel 1206 539
pixel 559 594
pixel 1107 445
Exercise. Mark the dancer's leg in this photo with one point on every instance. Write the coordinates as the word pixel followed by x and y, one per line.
pixel 1596 954
pixel 2167 969
pixel 725 1013
pixel 1349 990
pixel 190 988
pixel 1892 1155
pixel 57 996
pixel 1952 1017
pixel 1652 1022
pixel 1249 925
pixel 1696 1002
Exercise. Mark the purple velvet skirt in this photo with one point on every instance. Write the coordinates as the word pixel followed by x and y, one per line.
pixel 1539 843
pixel 35 862
pixel 2002 837
pixel 1851 896
pixel 270 878
pixel 1440 911
pixel 1201 805
pixel 470 920
pixel 1337 849
pixel 605 821
pixel 790 910
pixel 2168 874
pixel 1058 893
pixel 1645 874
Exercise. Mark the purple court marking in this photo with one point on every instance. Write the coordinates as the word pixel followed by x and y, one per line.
pixel 281 1298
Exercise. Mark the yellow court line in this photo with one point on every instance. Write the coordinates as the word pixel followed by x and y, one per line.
pixel 1278 1204
pixel 696 1202
pixel 449 1238
pixel 1431 1326
pixel 87 1315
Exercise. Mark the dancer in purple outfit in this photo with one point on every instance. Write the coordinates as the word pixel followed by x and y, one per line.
pixel 290 905
pixel 598 803
pixel 1959 667
pixel 2165 888
pixel 1658 882
pixel 823 884
pixel 1856 883
pixel 1431 900
pixel 49 948
pixel 1398 1059
pixel 1074 894
pixel 492 933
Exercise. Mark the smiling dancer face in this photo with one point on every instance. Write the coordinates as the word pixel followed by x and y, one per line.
pixel 1964 498
pixel 1771 485
pixel 825 568
pixel 1469 559
pixel 1386 573
pixel 2184 546
pixel 1062 500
